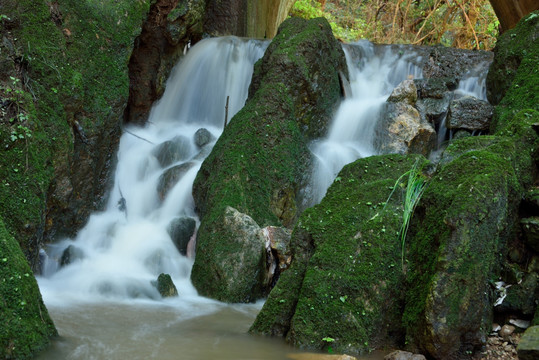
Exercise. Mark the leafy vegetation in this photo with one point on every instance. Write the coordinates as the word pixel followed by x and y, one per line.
pixel 463 24
pixel 415 186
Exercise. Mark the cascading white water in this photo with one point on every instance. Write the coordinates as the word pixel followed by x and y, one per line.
pixel 474 83
pixel 372 79
pixel 122 252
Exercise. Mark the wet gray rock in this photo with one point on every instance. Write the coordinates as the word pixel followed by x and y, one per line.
pixel 166 286
pixel 170 177
pixel 469 113
pixel 241 265
pixel 405 92
pixel 181 230
pixel 173 150
pixel 401 131
pixel 203 137
pixel 71 254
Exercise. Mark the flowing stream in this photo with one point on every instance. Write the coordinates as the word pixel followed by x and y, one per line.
pixel 103 302
pixel 372 79
pixel 103 298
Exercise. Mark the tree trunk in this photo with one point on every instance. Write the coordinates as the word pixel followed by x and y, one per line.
pixel 509 12
pixel 258 19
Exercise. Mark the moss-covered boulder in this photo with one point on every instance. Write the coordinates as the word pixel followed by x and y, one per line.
pixel 460 233
pixel 166 286
pixel 26 327
pixel 460 227
pixel 345 286
pixel 259 164
pixel 513 78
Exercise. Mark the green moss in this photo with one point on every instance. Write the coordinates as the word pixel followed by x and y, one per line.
pixel 74 57
pixel 461 226
pixel 346 280
pixel 25 328
pixel 513 79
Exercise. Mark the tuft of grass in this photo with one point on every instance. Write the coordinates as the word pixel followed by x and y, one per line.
pixel 415 186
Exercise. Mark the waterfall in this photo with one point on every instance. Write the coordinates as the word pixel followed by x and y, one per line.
pixel 373 77
pixel 474 83
pixel 122 250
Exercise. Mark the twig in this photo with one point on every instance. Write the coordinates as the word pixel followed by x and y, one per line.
pixel 141 138
pixel 469 23
pixel 425 21
pixel 226 110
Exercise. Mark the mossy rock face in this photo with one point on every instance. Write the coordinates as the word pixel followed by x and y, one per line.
pixel 513 78
pixel 26 327
pixel 457 240
pixel 72 77
pixel 346 279
pixel 260 163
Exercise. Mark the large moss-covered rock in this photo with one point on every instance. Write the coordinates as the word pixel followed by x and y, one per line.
pixel 346 281
pixel 513 78
pixel 65 63
pixel 26 327
pixel 466 218
pixel 259 164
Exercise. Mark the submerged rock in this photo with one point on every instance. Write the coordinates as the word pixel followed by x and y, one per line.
pixel 171 177
pixel 172 150
pixel 404 355
pixel 203 137
pixel 71 254
pixel 166 286
pixel 181 230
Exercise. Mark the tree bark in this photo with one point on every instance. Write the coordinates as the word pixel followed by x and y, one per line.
pixel 509 12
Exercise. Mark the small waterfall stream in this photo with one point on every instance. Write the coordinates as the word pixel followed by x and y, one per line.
pixel 103 301
pixel 372 79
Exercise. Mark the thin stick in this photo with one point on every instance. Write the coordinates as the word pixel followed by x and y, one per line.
pixel 141 138
pixel 469 23
pixel 226 110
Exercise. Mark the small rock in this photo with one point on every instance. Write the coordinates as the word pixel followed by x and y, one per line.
pixel 203 137
pixel 405 92
pixel 172 150
pixel 496 327
pixel 181 230
pixel 165 286
pixel 70 254
pixel 523 324
pixel 403 355
pixel 506 331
